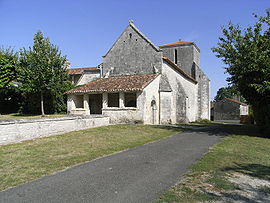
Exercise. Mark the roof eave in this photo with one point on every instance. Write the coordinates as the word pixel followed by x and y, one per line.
pixel 178 69
pixel 179 45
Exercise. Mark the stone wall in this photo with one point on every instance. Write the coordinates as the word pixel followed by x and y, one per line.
pixel 188 59
pixel 151 102
pixel 244 110
pixel 203 94
pixel 26 129
pixel 165 107
pixel 131 54
pixel 186 55
pixel 88 77
pixel 184 96
pixel 123 115
pixel 226 110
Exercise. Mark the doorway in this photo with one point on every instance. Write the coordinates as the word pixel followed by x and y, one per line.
pixel 95 103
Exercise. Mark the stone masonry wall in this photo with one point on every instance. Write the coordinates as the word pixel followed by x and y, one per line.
pixel 203 94
pixel 184 96
pixel 88 77
pixel 26 129
pixel 226 110
pixel 131 54
pixel 186 55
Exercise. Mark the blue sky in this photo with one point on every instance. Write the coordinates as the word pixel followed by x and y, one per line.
pixel 84 30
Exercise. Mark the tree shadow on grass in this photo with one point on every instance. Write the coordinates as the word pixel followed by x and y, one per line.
pixel 255 170
pixel 229 129
pixel 221 130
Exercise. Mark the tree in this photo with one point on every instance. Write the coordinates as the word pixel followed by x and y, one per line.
pixel 229 92
pixel 246 52
pixel 8 61
pixel 42 72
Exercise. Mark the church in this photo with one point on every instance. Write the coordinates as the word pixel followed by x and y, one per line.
pixel 141 82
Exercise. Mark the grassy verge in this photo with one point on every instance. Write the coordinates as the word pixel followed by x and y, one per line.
pixel 242 154
pixel 15 116
pixel 32 159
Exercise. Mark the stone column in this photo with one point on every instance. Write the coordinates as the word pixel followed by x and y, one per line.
pixel 121 100
pixel 72 79
pixel 86 104
pixel 104 100
pixel 70 103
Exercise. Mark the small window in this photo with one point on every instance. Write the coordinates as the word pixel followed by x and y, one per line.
pixel 175 56
pixel 193 71
pixel 130 100
pixel 113 100
pixel 130 35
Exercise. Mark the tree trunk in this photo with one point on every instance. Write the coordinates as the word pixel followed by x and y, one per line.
pixel 41 104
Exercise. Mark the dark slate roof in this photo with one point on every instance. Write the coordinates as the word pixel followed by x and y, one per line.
pixel 77 71
pixel 116 84
pixel 179 70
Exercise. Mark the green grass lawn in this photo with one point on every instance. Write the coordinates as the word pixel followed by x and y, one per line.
pixel 32 159
pixel 14 116
pixel 248 155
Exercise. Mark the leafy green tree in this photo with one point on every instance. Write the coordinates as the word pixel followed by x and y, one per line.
pixel 8 61
pixel 246 52
pixel 229 92
pixel 42 72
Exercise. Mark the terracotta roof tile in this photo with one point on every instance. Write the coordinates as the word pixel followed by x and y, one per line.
pixel 176 43
pixel 236 101
pixel 75 71
pixel 116 84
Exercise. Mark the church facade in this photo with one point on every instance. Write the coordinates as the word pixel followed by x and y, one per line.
pixel 141 82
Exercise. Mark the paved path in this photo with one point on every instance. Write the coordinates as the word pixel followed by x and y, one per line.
pixel 140 174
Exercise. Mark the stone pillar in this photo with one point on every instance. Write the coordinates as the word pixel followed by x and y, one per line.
pixel 121 100
pixel 70 103
pixel 104 100
pixel 86 104
pixel 72 79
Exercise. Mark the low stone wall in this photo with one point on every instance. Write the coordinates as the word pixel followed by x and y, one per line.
pixel 25 129
pixel 124 115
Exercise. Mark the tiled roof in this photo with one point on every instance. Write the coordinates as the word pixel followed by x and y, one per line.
pixel 116 84
pixel 236 101
pixel 75 71
pixel 179 70
pixel 176 43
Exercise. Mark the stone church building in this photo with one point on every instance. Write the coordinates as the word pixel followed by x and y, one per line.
pixel 139 81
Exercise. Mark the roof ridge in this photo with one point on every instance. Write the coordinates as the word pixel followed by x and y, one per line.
pixel 131 24
pixel 176 43
pixel 116 84
pixel 143 35
pixel 83 67
pixel 234 100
